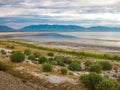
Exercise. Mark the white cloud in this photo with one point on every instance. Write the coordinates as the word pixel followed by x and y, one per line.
pixel 107 11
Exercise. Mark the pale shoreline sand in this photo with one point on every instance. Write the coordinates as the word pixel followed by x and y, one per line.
pixel 65 45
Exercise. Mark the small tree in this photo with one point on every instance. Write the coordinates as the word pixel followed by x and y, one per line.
pixel 105 65
pixel 51 54
pixel 17 56
pixel 27 51
pixel 42 59
pixel 31 57
pixel 95 68
pixel 107 84
pixel 74 66
pixel 91 80
pixel 64 71
pixel 47 67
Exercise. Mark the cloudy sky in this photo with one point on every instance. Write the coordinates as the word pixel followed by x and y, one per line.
pixel 19 13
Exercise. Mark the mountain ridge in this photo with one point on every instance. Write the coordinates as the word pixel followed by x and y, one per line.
pixel 57 28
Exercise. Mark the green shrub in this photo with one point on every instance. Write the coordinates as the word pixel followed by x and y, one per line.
pixel 107 56
pixel 51 54
pixel 3 51
pixel 88 63
pixel 74 66
pixel 95 68
pixel 59 60
pixel 91 80
pixel 47 67
pixel 27 51
pixel 42 59
pixel 31 57
pixel 115 57
pixel 10 46
pixel 77 61
pixel 107 84
pixel 64 71
pixel 105 65
pixel 68 60
pixel 37 54
pixel 3 67
pixel 17 56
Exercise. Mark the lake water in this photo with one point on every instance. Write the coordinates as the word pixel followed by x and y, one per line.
pixel 85 39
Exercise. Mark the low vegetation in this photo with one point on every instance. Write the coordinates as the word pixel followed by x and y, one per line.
pixel 51 54
pixel 100 56
pixel 42 59
pixel 91 80
pixel 27 51
pixel 17 56
pixel 66 62
pixel 31 57
pixel 105 65
pixel 95 68
pixel 75 66
pixel 95 81
pixel 107 84
pixel 64 71
pixel 3 67
pixel 47 67
pixel 3 52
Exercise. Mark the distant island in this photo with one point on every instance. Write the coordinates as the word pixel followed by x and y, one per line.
pixel 58 28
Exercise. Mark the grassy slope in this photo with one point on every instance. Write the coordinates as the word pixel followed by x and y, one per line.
pixel 99 56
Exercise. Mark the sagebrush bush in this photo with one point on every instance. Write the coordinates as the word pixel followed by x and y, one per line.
pixel 105 65
pixel 51 54
pixel 91 80
pixel 88 63
pixel 31 57
pixel 95 68
pixel 47 67
pixel 75 66
pixel 115 57
pixel 27 51
pixel 68 60
pixel 37 54
pixel 17 56
pixel 77 61
pixel 3 67
pixel 10 46
pixel 64 71
pixel 107 84
pixel 59 60
pixel 3 51
pixel 42 59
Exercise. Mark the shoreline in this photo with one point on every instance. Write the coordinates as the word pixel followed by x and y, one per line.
pixel 66 45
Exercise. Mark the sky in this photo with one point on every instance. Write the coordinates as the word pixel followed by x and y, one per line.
pixel 86 13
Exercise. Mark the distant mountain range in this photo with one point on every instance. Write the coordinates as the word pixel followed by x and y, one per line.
pixel 6 29
pixel 57 28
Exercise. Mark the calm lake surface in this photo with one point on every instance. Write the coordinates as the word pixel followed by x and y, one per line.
pixel 91 39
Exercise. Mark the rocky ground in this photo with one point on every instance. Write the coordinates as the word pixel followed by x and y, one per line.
pixel 10 82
